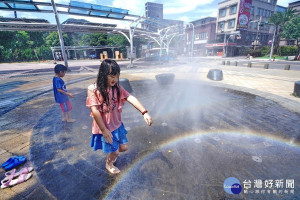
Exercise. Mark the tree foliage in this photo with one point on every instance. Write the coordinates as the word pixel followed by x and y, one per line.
pixel 20 45
pixel 291 30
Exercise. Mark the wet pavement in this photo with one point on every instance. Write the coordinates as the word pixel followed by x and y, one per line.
pixel 203 133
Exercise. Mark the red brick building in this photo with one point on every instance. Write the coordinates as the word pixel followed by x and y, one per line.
pixel 204 33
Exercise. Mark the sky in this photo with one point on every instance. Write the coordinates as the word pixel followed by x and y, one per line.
pixel 173 9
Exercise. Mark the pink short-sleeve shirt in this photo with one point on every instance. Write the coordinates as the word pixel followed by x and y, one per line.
pixel 111 114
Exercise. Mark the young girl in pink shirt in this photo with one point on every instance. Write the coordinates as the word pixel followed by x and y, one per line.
pixel 105 98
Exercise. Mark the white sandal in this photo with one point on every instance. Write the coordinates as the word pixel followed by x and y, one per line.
pixel 112 169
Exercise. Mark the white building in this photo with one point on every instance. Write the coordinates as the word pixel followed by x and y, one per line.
pixel 240 24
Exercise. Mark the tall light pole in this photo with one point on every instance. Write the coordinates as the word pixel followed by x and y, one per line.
pixel 272 46
pixel 224 50
pixel 193 37
pixel 258 24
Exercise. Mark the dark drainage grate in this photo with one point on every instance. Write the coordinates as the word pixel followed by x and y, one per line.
pixel 215 74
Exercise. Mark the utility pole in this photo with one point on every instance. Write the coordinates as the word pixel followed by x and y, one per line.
pixel 224 53
pixel 272 46
pixel 256 38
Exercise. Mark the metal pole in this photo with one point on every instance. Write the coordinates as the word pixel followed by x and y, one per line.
pixel 131 45
pixel 272 46
pixel 224 45
pixel 227 45
pixel 60 35
pixel 193 38
pixel 256 38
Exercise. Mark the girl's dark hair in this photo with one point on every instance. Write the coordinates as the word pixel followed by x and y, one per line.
pixel 60 68
pixel 107 67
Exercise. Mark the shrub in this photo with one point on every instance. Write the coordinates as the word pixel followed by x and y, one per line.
pixel 287 50
pixel 265 50
pixel 254 53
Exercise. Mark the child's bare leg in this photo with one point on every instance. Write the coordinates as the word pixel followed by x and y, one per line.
pixel 123 147
pixel 69 118
pixel 64 116
pixel 111 157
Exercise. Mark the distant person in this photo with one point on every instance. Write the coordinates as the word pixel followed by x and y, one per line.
pixel 61 94
pixel 106 98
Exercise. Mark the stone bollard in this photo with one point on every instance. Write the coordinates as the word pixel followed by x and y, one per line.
pixel 297 89
pixel 235 63
pixel 124 82
pixel 165 79
pixel 215 75
pixel 223 62
pixel 228 62
pixel 266 66
pixel 287 67
pixel 250 64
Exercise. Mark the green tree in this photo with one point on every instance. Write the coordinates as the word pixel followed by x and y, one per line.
pixel 291 30
pixel 95 39
pixel 117 40
pixel 279 19
pixel 53 40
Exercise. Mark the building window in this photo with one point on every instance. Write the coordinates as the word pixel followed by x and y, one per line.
pixel 252 10
pixel 222 12
pixel 231 23
pixel 201 36
pixel 258 11
pixel 221 25
pixel 233 9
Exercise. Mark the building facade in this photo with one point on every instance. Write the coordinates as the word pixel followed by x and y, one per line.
pixel 154 10
pixel 204 31
pixel 240 25
pixel 295 6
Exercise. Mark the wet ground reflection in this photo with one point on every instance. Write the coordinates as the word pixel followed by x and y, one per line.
pixel 201 135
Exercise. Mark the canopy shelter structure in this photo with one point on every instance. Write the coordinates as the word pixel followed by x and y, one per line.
pixel 79 9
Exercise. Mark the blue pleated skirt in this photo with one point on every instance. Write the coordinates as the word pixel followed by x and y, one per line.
pixel 119 137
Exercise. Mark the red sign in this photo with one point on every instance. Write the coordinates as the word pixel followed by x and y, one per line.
pixel 244 14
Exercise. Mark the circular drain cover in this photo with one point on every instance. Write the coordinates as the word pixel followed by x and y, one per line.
pixel 164 124
pixel 257 159
pixel 197 140
pixel 216 138
pixel 267 144
pixel 84 127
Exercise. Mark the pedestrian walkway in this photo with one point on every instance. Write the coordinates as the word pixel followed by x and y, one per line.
pixel 249 118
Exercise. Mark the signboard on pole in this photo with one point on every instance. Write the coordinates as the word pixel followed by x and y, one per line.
pixel 244 14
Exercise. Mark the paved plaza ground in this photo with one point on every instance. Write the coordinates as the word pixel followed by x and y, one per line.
pixel 245 126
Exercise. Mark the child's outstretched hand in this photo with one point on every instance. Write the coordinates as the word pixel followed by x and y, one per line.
pixel 107 136
pixel 70 95
pixel 148 119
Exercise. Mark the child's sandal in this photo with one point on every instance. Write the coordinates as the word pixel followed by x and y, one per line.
pixel 112 169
